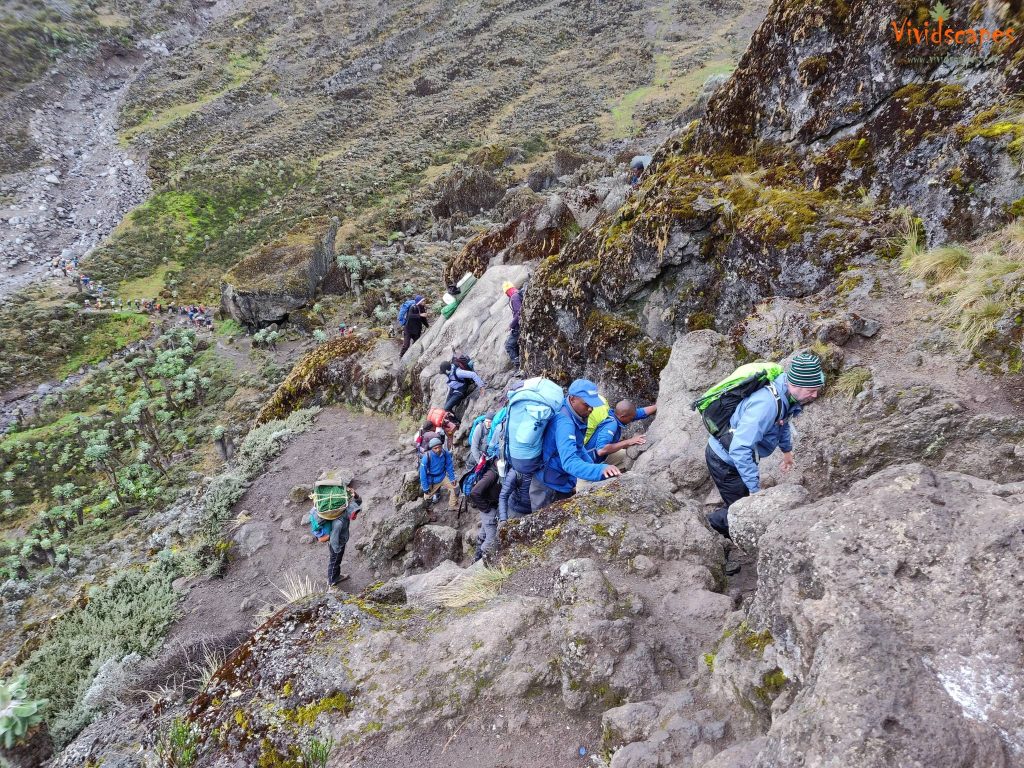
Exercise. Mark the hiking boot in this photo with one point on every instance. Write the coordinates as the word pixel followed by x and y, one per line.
pixel 731 568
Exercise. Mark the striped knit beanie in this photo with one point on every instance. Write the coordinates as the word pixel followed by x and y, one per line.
pixel 805 371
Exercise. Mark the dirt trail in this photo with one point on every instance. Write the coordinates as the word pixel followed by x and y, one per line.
pixel 278 542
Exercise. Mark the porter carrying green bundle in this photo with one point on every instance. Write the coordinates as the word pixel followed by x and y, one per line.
pixel 717 405
pixel 330 493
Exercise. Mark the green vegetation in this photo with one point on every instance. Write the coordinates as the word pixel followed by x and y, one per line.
pixel 195 227
pixel 18 713
pixel 236 70
pixel 112 334
pixel 665 84
pixel 317 753
pixel 151 286
pixel 31 38
pixel 41 338
pixel 128 615
pixel 178 747
pixel 106 451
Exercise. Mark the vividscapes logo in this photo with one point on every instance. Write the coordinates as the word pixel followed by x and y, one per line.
pixel 937 31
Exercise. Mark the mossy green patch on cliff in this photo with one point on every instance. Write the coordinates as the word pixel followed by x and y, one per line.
pixel 309 374
pixel 771 685
pixel 1001 122
pixel 941 96
pixel 306 715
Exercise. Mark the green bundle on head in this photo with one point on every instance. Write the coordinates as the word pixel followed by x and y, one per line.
pixel 17 713
pixel 330 493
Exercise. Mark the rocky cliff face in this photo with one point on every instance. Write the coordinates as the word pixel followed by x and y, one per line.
pixel 929 126
pixel 916 663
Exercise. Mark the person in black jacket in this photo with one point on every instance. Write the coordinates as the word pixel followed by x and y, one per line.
pixel 484 497
pixel 415 322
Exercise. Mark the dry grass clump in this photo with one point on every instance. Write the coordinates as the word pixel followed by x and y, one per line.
pixel 475 587
pixel 850 383
pixel 976 283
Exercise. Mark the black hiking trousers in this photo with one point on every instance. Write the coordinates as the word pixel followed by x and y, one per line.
pixel 456 402
pixel 730 486
pixel 410 336
pixel 339 538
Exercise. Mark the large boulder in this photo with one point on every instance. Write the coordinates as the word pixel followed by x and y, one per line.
pixel 468 190
pixel 677 437
pixel 280 277
pixel 389 537
pixel 885 627
pixel 478 327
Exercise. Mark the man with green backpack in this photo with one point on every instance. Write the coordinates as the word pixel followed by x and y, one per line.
pixel 748 416
pixel 335 505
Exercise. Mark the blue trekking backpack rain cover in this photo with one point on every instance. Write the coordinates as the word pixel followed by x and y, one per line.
pixel 403 311
pixel 529 411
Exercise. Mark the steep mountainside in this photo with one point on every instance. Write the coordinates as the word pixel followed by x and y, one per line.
pixel 844 191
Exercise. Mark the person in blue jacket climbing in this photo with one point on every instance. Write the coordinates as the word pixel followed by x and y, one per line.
pixel 759 425
pixel 566 459
pixel 437 471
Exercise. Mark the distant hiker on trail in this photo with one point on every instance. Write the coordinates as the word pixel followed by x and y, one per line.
pixel 437 471
pixel 484 498
pixel 758 425
pixel 637 166
pixel 335 506
pixel 565 458
pixel 606 443
pixel 413 318
pixel 515 303
pixel 462 381
pixel 478 432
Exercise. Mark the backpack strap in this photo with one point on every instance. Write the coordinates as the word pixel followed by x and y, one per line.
pixel 778 401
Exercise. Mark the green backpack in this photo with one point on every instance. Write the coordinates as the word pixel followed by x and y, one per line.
pixel 718 404
pixel 330 493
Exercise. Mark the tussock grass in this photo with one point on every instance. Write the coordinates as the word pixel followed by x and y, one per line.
pixel 297 588
pixel 473 587
pixel 205 668
pixel 975 282
pixel 850 383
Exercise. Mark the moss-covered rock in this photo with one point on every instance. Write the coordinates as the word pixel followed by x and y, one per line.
pixel 280 277
pixel 704 238
pixel 832 82
pixel 331 370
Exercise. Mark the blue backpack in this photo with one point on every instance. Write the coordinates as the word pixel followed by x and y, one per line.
pixel 403 311
pixel 472 427
pixel 529 411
